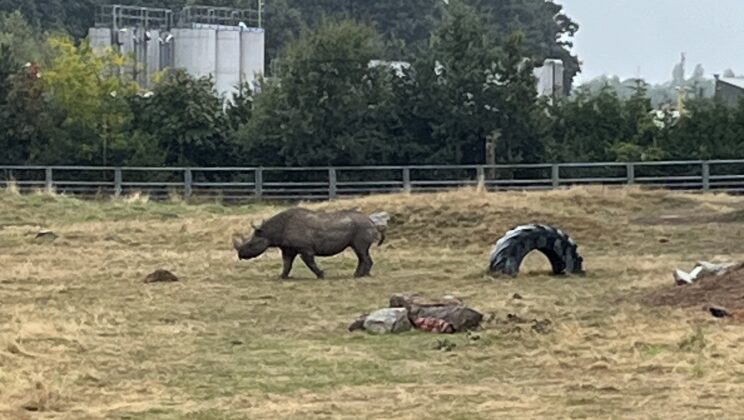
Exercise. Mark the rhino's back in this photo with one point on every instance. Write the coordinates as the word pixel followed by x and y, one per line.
pixel 326 232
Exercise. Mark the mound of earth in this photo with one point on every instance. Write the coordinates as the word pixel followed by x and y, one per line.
pixel 726 291
pixel 161 276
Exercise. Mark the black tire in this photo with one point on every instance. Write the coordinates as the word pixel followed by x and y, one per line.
pixel 561 250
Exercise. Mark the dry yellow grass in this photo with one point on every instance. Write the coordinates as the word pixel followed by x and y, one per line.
pixel 81 335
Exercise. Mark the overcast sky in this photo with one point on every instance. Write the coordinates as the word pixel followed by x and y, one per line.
pixel 628 37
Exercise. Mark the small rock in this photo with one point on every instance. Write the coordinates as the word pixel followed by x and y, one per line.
pixel 517 296
pixel 663 240
pixel 388 320
pixel 236 342
pixel 408 300
pixel 461 318
pixel 719 312
pixel 358 324
pixel 434 325
pixel 45 234
pixel 161 276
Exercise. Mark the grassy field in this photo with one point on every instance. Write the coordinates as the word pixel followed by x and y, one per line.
pixel 81 335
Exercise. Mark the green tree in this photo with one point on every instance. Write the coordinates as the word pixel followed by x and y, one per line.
pixel 93 98
pixel 183 115
pixel 548 31
pixel 521 122
pixel 321 108
pixel 26 43
pixel 640 132
pixel 587 127
pixel 28 122
pixel 707 130
pixel 72 16
pixel 459 87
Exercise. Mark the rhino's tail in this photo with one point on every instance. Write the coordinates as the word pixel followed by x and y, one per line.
pixel 380 220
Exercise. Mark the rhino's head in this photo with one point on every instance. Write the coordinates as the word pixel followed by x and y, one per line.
pixel 251 247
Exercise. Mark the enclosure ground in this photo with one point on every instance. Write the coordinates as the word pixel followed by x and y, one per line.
pixel 82 335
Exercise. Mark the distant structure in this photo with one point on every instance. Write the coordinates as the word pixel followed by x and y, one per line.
pixel 226 43
pixel 550 78
pixel 729 90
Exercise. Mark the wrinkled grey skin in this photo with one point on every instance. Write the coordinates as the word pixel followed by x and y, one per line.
pixel 309 234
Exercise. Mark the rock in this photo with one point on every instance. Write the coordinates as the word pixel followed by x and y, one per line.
pixel 45 234
pixel 719 312
pixel 434 325
pixel 161 276
pixel 703 269
pixel 681 278
pixel 461 318
pixel 358 324
pixel 408 300
pixel 517 296
pixel 388 320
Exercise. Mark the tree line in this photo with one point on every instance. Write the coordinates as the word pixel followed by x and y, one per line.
pixel 467 86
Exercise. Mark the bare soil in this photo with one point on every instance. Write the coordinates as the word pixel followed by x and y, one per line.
pixel 726 291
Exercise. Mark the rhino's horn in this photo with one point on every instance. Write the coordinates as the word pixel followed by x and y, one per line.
pixel 238 242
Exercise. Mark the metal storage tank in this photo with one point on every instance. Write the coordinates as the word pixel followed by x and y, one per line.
pixel 99 38
pixel 207 41
pixel 195 51
pixel 227 66
pixel 252 54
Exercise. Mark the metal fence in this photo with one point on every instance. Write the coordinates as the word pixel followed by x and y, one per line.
pixel 318 183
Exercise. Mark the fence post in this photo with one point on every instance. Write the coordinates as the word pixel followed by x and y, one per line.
pixel 706 176
pixel 480 174
pixel 117 182
pixel 332 187
pixel 258 183
pixel 630 173
pixel 407 180
pixel 48 181
pixel 555 175
pixel 187 183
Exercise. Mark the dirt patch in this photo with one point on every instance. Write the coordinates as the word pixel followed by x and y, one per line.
pixel 726 291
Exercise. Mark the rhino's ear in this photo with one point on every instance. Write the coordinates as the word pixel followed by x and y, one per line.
pixel 257 230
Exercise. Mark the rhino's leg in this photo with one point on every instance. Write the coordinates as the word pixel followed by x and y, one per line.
pixel 310 262
pixel 365 262
pixel 288 256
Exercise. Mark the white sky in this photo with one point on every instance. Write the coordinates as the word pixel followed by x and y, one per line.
pixel 628 37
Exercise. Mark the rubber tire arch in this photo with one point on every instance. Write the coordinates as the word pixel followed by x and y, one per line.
pixel 556 245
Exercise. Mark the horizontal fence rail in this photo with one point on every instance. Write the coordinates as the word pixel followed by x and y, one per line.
pixel 321 183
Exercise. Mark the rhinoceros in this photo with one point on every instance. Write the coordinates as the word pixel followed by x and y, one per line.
pixel 308 233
